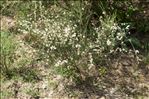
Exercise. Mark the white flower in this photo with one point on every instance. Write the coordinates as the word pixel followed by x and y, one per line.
pixel 74 35
pixel 64 61
pixel 52 47
pixel 60 63
pixel 67 30
pixel 127 27
pixel 111 51
pixel 78 46
pixel 46 29
pixel 103 12
pixel 136 51
pixel 108 42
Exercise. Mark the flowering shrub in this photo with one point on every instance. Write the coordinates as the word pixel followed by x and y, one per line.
pixel 71 52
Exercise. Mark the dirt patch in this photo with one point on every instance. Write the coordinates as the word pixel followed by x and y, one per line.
pixel 7 23
pixel 124 79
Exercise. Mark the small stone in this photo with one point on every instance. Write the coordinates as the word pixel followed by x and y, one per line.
pixel 125 63
pixel 102 97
